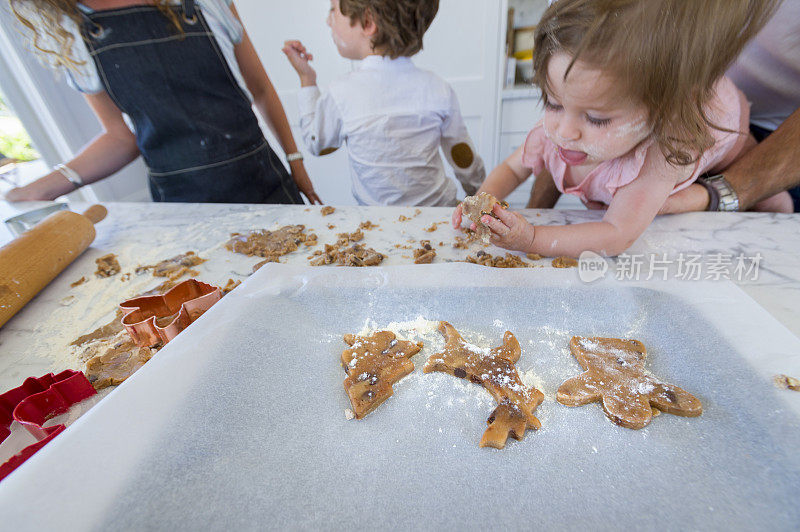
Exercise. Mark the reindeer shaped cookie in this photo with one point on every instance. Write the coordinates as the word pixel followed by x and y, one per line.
pixel 495 371
pixel 373 365
pixel 615 375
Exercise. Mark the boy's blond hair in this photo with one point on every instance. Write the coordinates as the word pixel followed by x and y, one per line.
pixel 401 23
pixel 666 54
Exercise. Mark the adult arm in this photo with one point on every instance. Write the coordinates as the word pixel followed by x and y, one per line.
pixel 544 194
pixel 108 153
pixel 771 167
pixel 266 100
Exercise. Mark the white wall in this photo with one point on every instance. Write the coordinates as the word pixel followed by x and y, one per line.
pixel 462 45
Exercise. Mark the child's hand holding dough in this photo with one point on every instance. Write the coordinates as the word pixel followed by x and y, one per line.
pixel 510 230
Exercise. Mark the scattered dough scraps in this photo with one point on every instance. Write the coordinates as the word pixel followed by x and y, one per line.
pixel 404 218
pixel 434 226
pixel 425 254
pixel 117 363
pixel 495 370
pixel 464 242
pixel 367 226
pixel 327 210
pixel 346 252
pixel 509 261
pixel 355 255
pixel 270 245
pixel 373 365
pixel 175 267
pixel 474 207
pixel 533 256
pixel 355 236
pixel 564 262
pixel 230 287
pixel 787 382
pixel 105 332
pixel 78 282
pixel 107 266
pixel 615 375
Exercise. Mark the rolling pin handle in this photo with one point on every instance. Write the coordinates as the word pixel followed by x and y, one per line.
pixel 96 213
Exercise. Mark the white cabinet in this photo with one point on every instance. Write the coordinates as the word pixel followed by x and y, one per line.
pixel 520 110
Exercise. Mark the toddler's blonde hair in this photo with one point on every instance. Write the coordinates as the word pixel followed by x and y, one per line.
pixel 666 54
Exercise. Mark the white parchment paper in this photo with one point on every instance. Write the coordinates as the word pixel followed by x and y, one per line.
pixel 240 422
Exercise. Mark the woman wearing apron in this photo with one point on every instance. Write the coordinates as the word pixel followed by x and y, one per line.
pixel 186 76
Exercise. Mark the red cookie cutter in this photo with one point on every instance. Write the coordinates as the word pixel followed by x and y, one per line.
pixel 36 401
pixel 152 320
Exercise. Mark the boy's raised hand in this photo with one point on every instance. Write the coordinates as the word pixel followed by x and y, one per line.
pixel 510 230
pixel 299 58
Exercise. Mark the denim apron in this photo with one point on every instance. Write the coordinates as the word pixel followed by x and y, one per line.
pixel 194 125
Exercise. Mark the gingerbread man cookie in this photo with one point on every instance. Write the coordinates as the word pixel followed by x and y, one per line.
pixel 615 375
pixel 495 371
pixel 474 207
pixel 373 365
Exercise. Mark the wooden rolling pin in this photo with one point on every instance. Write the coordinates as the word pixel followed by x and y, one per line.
pixel 29 262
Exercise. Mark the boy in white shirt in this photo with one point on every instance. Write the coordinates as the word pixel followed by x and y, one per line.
pixel 393 116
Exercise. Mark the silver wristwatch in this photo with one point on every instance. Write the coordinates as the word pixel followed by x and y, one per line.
pixel 722 196
pixel 70 174
pixel 292 157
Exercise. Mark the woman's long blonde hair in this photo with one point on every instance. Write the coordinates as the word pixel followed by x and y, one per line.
pixel 667 54
pixel 44 21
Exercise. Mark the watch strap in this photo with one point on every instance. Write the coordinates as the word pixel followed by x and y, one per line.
pixel 722 195
pixel 71 175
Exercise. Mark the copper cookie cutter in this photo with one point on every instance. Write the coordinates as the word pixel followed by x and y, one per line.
pixel 153 320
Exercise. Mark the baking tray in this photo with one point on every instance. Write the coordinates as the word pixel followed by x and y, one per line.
pixel 22 222
pixel 239 421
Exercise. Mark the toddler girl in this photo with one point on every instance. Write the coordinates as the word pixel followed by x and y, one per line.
pixel 636 109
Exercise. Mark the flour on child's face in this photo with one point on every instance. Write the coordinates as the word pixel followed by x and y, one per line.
pixel 586 114
pixel 349 38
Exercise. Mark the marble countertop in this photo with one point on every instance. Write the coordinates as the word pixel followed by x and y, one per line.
pixel 759 252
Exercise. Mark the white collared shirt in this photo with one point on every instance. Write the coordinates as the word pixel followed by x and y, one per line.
pixel 394 117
